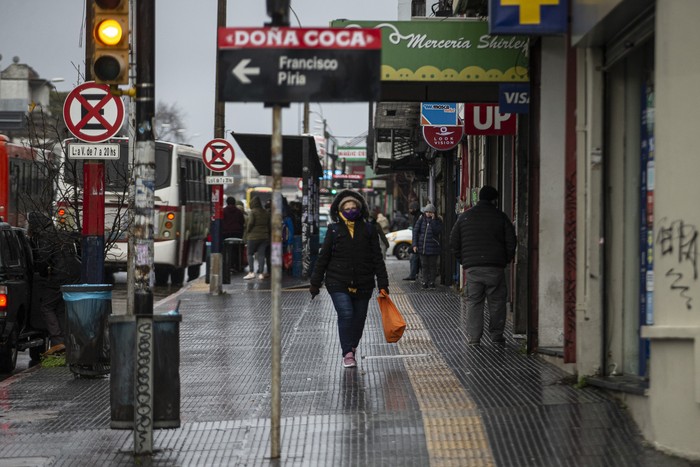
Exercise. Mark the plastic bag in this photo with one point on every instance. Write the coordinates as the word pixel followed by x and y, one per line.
pixel 392 321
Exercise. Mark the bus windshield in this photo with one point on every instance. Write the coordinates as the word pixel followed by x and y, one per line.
pixel 117 171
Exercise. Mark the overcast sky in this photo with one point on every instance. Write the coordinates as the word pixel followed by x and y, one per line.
pixel 48 35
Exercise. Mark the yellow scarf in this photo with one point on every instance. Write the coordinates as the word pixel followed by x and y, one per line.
pixel 351 229
pixel 350 224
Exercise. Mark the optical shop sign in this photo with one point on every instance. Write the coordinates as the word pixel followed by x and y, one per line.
pixel 444 51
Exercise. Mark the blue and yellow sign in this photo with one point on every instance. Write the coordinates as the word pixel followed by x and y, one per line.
pixel 531 17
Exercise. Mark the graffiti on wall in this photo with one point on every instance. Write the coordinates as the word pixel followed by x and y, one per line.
pixel 677 241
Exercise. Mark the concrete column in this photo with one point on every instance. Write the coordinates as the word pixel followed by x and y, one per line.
pixel 589 220
pixel 675 336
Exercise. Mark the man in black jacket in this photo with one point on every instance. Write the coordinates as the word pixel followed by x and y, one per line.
pixel 483 240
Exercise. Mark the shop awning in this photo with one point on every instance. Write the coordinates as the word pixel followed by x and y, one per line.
pixel 257 148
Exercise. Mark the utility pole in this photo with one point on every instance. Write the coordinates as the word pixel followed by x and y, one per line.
pixel 144 183
pixel 217 191
pixel 278 10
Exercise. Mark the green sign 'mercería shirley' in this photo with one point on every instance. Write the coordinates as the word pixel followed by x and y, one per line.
pixel 447 50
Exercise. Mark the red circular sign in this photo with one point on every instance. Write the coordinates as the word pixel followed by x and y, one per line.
pixel 442 138
pixel 92 114
pixel 218 155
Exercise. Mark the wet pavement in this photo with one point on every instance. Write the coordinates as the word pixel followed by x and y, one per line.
pixel 426 400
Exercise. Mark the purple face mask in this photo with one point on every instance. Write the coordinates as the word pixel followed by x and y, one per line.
pixel 351 214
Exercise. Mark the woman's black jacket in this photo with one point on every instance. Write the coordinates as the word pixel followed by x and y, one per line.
pixel 350 262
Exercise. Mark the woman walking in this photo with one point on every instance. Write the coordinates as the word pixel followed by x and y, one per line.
pixel 426 242
pixel 258 237
pixel 349 261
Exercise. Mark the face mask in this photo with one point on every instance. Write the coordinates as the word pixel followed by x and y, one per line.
pixel 351 214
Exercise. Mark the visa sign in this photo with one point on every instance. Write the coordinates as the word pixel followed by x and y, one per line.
pixel 487 119
pixel 514 98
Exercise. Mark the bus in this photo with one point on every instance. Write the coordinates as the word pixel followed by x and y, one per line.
pixel 25 185
pixel 181 204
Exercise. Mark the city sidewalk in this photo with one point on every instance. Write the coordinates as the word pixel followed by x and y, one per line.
pixel 426 400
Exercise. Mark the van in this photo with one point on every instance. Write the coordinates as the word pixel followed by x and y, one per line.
pixel 20 325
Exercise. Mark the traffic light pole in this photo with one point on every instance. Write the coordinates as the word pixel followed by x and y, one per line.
pixel 144 193
pixel 93 228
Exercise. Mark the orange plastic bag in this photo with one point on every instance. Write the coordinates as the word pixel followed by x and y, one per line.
pixel 392 321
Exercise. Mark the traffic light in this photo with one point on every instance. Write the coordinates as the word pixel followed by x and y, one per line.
pixel 110 59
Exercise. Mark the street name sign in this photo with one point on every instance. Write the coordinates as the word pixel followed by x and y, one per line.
pixel 219 180
pixel 92 114
pixel 283 65
pixel 93 151
pixel 218 155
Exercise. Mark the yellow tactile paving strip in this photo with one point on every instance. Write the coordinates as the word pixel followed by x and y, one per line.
pixel 455 434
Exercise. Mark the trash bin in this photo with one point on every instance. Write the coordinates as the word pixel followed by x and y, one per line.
pixel 166 370
pixel 88 307
pixel 232 258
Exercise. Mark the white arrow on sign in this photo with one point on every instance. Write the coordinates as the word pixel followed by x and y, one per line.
pixel 240 71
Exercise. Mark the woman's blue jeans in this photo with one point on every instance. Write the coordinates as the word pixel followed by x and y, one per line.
pixel 352 313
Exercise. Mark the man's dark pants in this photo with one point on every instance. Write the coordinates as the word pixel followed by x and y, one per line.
pixel 414 261
pixel 486 283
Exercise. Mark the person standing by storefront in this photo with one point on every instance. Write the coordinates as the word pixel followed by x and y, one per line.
pixel 426 242
pixel 258 237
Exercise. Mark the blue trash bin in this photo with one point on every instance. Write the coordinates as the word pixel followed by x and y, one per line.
pixel 88 307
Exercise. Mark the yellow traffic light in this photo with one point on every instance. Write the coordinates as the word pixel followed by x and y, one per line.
pixel 109 32
pixel 110 59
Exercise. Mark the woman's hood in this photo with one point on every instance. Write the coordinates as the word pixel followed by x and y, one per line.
pixel 255 203
pixel 344 194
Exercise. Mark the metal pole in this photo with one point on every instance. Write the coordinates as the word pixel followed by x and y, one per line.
pixel 276 279
pixel 93 239
pixel 217 191
pixel 144 182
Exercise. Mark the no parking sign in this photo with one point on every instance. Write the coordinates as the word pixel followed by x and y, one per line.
pixel 92 113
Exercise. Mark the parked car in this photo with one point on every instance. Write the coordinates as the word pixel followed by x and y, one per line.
pixel 400 243
pixel 21 326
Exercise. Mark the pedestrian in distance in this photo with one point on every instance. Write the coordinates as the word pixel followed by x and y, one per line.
pixel 426 242
pixel 232 226
pixel 56 260
pixel 483 240
pixel 383 242
pixel 258 236
pixel 349 261
pixel 399 221
pixel 234 220
pixel 414 259
pixel 381 220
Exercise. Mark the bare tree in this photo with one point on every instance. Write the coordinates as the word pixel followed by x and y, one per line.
pixel 170 122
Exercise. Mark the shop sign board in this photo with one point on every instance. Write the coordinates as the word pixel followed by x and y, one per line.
pixel 438 51
pixel 486 119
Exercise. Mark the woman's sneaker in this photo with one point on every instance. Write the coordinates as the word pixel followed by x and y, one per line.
pixel 349 360
pixel 249 276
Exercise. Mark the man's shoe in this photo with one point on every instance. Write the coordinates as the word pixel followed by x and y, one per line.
pixel 409 278
pixel 425 286
pixel 55 350
pixel 474 343
pixel 261 276
pixel 499 343
pixel 349 360
pixel 249 276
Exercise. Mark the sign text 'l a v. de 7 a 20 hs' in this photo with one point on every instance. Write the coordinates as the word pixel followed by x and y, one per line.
pixel 282 65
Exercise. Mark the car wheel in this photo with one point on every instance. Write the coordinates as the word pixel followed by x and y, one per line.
pixel 402 250
pixel 8 353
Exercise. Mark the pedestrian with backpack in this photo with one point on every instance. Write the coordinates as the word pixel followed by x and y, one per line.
pixel 349 261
